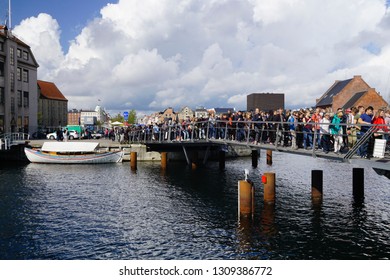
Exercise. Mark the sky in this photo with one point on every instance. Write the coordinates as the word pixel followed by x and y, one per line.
pixel 148 55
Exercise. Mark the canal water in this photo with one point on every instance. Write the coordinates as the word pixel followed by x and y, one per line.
pixel 109 212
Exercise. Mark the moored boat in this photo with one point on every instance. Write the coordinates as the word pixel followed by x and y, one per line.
pixel 72 153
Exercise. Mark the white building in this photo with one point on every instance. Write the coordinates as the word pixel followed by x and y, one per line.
pixel 99 116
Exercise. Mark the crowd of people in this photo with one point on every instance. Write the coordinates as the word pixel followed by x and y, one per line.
pixel 300 129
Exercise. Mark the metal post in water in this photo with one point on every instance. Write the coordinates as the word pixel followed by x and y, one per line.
pixel 268 180
pixel 316 184
pixel 133 161
pixel 269 157
pixel 358 183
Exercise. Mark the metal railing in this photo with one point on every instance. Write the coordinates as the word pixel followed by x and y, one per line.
pixel 251 133
pixel 9 139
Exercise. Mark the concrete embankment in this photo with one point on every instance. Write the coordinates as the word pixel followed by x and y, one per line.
pixel 17 152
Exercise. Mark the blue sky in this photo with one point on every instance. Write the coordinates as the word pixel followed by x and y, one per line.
pixel 148 55
pixel 72 15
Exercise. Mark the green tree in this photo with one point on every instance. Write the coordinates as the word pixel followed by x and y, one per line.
pixel 118 118
pixel 132 117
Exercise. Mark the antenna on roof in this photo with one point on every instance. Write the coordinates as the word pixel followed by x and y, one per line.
pixel 9 14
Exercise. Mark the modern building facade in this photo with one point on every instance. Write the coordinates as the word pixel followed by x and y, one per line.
pixel 52 106
pixel 265 101
pixel 18 85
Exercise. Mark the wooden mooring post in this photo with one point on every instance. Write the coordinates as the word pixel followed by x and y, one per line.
pixel 268 179
pixel 269 157
pixel 133 161
pixel 246 198
pixel 222 158
pixel 358 183
pixel 255 156
pixel 164 160
pixel 316 184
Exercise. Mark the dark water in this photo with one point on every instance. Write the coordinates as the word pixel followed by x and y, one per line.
pixel 109 212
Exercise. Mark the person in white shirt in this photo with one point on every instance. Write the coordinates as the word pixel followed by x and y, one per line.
pixel 325 133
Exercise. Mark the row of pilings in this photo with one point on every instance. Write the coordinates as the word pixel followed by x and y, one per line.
pixel 246 188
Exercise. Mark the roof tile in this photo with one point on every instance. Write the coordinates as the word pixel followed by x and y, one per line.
pixel 50 91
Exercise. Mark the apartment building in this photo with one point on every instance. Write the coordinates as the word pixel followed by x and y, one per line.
pixel 18 85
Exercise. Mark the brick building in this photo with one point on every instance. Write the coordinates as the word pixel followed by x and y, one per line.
pixel 167 115
pixel 74 116
pixel 265 101
pixel 348 93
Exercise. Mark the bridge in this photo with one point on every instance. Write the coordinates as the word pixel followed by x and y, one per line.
pixel 224 136
pixel 8 140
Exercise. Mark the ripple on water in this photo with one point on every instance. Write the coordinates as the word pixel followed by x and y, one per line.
pixel 109 212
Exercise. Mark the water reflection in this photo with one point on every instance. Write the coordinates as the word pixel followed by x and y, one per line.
pixel 100 212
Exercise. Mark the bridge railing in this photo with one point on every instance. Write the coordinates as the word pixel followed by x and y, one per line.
pixel 257 133
pixel 9 139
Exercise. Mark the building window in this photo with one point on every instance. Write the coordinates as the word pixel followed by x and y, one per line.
pixel 11 56
pixel 2 95
pixel 12 81
pixel 25 75
pixel 19 53
pixel 19 74
pixel 12 105
pixel 20 98
pixel 1 69
pixel 26 98
pixel 25 55
pixel 2 46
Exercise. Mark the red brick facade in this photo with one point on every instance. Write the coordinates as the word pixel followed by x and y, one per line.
pixel 371 98
pixel 342 93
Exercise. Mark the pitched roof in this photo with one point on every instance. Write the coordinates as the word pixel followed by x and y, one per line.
pixel 223 110
pixel 327 98
pixel 50 91
pixel 354 99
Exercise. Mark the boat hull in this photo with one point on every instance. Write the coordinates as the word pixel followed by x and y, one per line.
pixel 37 156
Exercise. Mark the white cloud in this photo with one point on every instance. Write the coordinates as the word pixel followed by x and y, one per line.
pixel 42 33
pixel 154 54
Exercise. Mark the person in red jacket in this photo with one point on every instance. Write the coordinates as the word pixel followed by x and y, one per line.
pixel 381 128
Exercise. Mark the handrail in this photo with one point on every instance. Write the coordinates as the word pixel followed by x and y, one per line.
pixel 243 131
pixel 9 139
pixel 364 139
